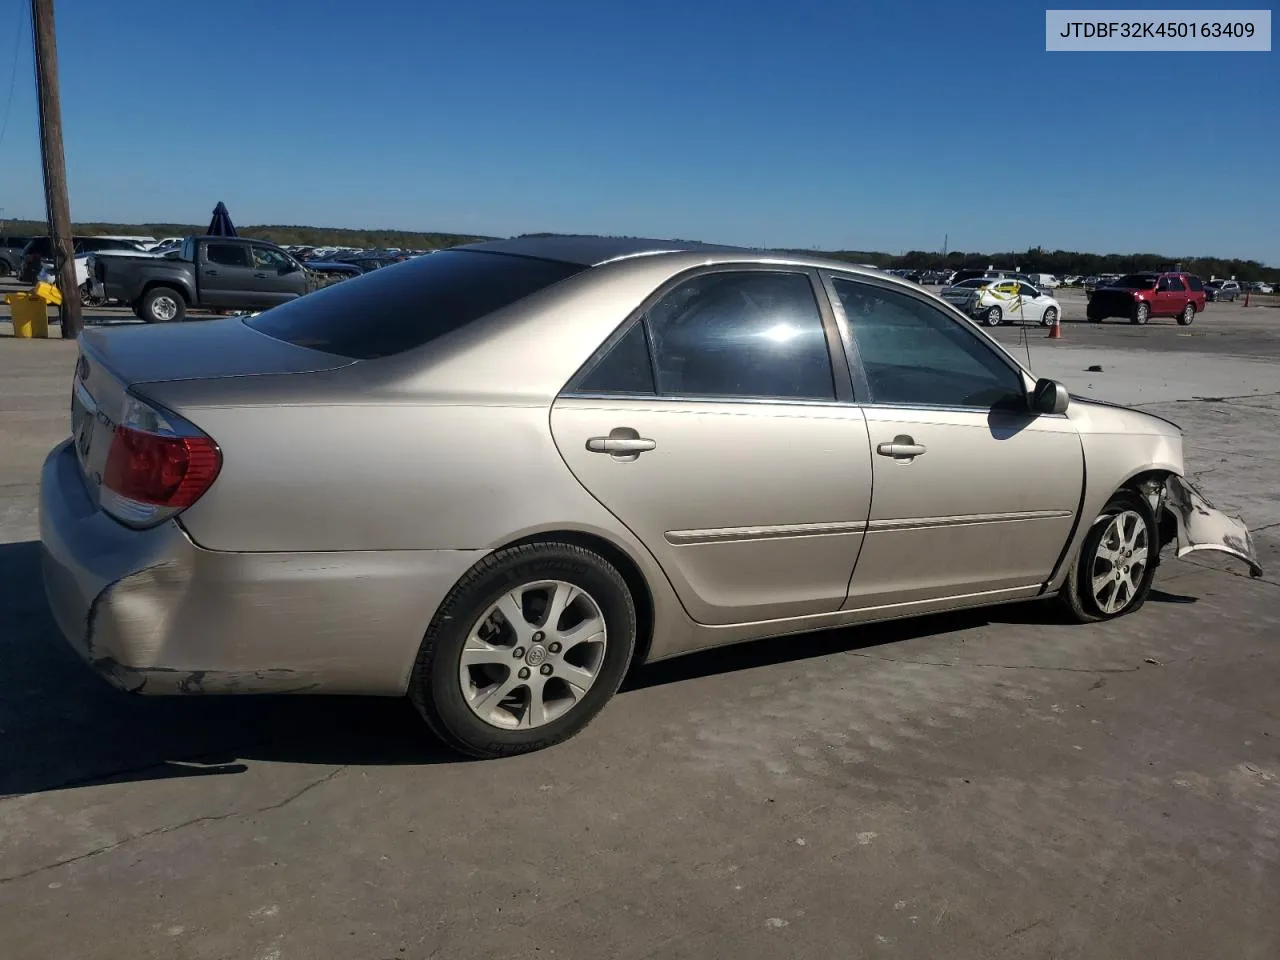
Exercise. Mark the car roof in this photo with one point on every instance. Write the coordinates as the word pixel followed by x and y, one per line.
pixel 592 251
pixel 595 251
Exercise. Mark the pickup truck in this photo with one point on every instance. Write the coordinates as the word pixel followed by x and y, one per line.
pixel 215 273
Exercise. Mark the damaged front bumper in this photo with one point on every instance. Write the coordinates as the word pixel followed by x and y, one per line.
pixel 1196 524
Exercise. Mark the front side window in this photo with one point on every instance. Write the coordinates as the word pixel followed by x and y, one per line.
pixel 1028 291
pixel 914 354
pixel 227 254
pixel 1194 283
pixel 267 258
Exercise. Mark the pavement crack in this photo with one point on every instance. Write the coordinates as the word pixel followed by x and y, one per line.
pixel 1024 928
pixel 997 666
pixel 159 831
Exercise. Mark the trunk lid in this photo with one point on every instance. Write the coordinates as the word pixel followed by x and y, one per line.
pixel 113 361
pixel 203 350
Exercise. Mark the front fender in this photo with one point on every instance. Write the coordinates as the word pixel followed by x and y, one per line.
pixel 1200 525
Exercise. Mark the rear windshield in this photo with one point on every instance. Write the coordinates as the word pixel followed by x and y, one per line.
pixel 1135 281
pixel 396 309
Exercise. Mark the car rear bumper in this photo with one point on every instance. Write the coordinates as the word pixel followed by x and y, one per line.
pixel 154 613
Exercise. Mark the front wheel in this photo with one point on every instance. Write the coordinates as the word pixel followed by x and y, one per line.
pixel 162 305
pixel 1113 573
pixel 1141 313
pixel 1050 318
pixel 1188 315
pixel 993 317
pixel 525 650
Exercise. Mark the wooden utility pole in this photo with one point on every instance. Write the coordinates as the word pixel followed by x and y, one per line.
pixel 57 205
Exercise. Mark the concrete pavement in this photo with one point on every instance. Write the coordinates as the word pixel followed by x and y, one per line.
pixel 988 785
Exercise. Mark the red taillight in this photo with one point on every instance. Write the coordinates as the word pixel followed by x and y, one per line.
pixel 163 471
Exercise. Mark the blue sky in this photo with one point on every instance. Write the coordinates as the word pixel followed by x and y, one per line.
pixel 834 125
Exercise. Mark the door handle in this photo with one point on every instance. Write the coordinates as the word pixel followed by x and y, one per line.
pixel 620 446
pixel 903 447
pixel 260 276
pixel 211 273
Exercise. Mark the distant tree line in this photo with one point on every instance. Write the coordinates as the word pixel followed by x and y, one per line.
pixel 1065 263
pixel 1034 260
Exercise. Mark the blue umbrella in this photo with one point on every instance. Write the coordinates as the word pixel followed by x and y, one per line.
pixel 221 225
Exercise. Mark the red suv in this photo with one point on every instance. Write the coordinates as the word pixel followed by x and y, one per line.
pixel 1141 296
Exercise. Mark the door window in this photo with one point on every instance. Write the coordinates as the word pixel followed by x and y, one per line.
pixel 227 254
pixel 627 368
pixel 747 334
pixel 265 258
pixel 1170 285
pixel 1028 291
pixel 915 354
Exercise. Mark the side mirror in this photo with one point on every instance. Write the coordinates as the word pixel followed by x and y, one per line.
pixel 1049 396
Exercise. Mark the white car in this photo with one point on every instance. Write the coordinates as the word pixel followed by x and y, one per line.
pixel 993 302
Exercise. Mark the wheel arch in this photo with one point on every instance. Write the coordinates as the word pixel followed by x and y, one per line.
pixel 623 562
pixel 177 287
pixel 1095 496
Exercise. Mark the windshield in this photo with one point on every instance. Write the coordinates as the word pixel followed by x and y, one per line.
pixel 1135 281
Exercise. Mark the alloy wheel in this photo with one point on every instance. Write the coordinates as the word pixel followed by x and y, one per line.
pixel 533 655
pixel 164 308
pixel 1119 562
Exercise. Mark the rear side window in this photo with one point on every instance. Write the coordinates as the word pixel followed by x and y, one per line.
pixel 399 308
pixel 227 254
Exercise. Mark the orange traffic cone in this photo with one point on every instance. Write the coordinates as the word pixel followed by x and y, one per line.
pixel 1055 330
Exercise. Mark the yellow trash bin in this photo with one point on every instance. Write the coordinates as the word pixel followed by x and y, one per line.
pixel 30 315
pixel 48 293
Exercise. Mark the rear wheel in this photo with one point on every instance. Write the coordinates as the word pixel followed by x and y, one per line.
pixel 1112 575
pixel 993 317
pixel 86 296
pixel 525 650
pixel 1141 313
pixel 162 305
pixel 1188 315
pixel 5 268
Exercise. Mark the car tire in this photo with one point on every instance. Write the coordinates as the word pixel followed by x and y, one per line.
pixel 993 317
pixel 1090 593
pixel 1141 314
pixel 456 699
pixel 162 305
pixel 1048 318
pixel 1188 315
pixel 5 269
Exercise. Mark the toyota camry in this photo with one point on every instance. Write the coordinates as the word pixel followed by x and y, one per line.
pixel 494 478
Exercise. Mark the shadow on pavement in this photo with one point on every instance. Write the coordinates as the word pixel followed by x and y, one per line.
pixel 62 727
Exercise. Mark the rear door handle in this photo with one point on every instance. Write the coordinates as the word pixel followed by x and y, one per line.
pixel 902 448
pixel 260 276
pixel 620 446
